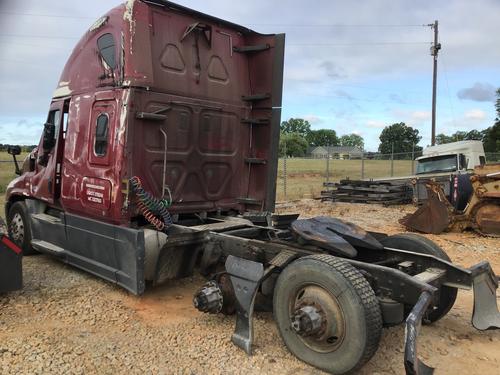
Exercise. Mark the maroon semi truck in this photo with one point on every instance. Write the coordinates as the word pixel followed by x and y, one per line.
pixel 159 155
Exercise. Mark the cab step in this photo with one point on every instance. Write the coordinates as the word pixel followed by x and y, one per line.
pixel 48 248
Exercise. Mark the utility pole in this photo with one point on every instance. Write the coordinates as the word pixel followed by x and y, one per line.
pixel 434 53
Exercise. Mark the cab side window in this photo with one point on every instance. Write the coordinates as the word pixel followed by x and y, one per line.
pixel 101 135
pixel 463 162
pixel 49 137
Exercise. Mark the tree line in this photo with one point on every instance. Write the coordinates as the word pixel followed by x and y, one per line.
pixel 296 136
pixel 4 147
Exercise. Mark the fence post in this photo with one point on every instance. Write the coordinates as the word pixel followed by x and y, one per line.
pixel 392 160
pixel 328 164
pixel 363 165
pixel 284 171
pixel 413 159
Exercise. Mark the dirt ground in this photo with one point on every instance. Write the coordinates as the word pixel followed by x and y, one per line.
pixel 67 321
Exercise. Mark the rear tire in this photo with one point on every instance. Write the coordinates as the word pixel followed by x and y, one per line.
pixel 19 227
pixel 352 322
pixel 420 244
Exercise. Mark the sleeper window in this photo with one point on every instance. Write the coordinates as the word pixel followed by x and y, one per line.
pixel 101 135
pixel 106 45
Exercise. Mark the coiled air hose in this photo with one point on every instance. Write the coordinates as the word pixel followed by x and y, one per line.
pixel 153 209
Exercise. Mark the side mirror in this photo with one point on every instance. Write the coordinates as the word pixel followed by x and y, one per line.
pixel 49 136
pixel 14 150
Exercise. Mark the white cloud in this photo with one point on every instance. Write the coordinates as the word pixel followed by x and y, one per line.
pixel 475 115
pixel 469 120
pixel 313 119
pixel 377 124
pixel 412 118
pixel 420 116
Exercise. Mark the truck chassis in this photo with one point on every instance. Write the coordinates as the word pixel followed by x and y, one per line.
pixel 409 284
pixel 326 278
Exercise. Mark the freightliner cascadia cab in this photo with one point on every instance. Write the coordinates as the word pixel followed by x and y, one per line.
pixel 187 104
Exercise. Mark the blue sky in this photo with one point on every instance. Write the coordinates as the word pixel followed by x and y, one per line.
pixel 351 68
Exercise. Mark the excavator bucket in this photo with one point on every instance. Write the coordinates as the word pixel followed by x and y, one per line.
pixel 434 216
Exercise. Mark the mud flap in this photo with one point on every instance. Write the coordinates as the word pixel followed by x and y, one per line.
pixel 413 365
pixel 245 276
pixel 485 314
pixel 11 271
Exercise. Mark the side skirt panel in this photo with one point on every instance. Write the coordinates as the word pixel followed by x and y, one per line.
pixel 109 251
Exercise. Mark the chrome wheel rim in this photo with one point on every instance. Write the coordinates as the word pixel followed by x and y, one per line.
pixel 16 229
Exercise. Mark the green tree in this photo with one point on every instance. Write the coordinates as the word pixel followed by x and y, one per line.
pixel 441 139
pixel 353 140
pixel 459 136
pixel 497 105
pixel 491 141
pixel 475 135
pixel 401 136
pixel 294 144
pixel 322 137
pixel 296 125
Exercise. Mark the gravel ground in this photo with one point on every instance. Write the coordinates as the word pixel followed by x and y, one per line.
pixel 65 321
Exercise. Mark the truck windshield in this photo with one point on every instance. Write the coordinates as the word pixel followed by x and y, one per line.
pixel 442 163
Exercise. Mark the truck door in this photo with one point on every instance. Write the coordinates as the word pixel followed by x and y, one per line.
pixel 98 181
pixel 46 181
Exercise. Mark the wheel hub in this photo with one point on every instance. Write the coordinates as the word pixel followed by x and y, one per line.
pixel 209 298
pixel 308 321
pixel 316 317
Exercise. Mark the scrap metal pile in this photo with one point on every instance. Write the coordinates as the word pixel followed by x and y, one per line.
pixel 357 191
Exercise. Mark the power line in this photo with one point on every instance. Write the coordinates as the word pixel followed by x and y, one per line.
pixel 311 81
pixel 353 44
pixel 289 44
pixel 331 25
pixel 48 15
pixel 252 24
pixel 448 90
pixel 38 36
pixel 33 45
pixel 19 62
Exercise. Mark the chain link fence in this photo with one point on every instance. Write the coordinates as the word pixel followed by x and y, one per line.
pixel 304 177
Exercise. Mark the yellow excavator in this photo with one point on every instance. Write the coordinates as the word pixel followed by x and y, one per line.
pixel 481 213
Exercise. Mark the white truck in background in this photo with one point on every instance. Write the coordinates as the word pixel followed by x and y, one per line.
pixel 451 157
pixel 450 165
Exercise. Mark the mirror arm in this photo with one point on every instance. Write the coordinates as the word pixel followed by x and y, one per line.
pixel 18 171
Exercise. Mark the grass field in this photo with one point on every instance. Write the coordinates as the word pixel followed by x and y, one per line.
pixel 305 177
pixel 7 169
